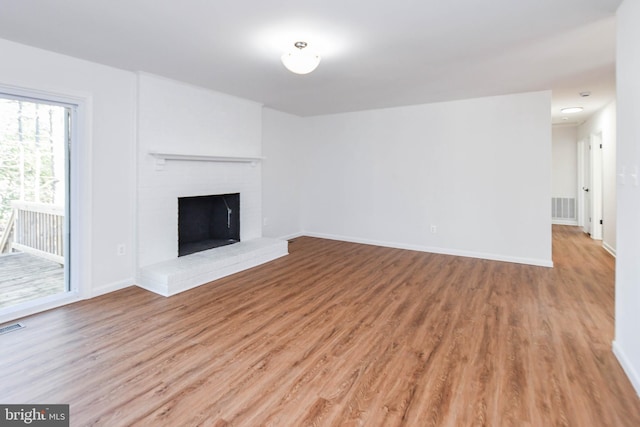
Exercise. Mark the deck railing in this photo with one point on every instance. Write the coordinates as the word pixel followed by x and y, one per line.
pixel 39 229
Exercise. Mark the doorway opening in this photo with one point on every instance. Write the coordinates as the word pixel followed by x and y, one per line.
pixel 590 186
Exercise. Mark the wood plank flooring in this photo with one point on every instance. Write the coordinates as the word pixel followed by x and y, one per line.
pixel 340 334
pixel 25 277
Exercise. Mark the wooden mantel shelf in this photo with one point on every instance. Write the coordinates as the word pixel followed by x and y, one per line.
pixel 161 158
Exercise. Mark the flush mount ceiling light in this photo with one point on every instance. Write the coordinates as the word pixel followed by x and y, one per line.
pixel 571 110
pixel 300 61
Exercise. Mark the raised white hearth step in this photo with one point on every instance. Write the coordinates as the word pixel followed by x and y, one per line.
pixel 180 274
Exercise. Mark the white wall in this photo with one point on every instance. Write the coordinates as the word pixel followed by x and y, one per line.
pixel 564 171
pixel 179 118
pixel 108 172
pixel 282 136
pixel 479 170
pixel 627 340
pixel 604 122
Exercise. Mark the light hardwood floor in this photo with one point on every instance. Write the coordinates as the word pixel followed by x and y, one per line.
pixel 340 334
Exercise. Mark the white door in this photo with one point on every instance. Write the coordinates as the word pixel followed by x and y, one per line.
pixel 586 182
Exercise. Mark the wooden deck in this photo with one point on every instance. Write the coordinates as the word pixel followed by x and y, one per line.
pixel 24 277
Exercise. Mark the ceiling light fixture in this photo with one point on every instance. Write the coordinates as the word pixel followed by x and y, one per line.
pixel 571 110
pixel 300 61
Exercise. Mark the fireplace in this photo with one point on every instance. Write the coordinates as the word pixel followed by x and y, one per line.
pixel 206 222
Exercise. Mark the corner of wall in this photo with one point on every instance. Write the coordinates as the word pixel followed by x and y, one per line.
pixel 627 366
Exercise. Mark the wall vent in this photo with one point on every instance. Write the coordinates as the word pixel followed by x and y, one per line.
pixel 11 328
pixel 563 208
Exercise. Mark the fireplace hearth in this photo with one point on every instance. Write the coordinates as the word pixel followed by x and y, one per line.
pixel 206 222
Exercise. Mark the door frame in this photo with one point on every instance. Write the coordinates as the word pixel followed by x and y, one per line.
pixel 590 176
pixel 79 202
pixel 596 186
pixel 584 205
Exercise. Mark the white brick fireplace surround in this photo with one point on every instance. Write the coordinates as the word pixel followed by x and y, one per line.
pixel 195 142
pixel 163 183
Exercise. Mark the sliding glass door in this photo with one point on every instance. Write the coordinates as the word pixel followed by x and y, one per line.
pixel 34 201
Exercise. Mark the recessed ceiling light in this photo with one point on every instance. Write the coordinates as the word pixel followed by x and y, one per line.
pixel 585 94
pixel 571 110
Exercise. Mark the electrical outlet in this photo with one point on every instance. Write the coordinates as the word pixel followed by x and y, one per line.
pixel 434 229
pixel 121 249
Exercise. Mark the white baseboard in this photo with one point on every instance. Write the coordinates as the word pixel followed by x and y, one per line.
pixel 632 374
pixel 290 236
pixel 609 249
pixel 112 287
pixel 42 304
pixel 436 250
pixel 55 301
pixel 564 222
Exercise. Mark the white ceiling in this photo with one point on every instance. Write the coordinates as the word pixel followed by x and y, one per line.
pixel 375 53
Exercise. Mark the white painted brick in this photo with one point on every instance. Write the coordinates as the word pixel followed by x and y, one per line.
pixel 173 276
pixel 158 201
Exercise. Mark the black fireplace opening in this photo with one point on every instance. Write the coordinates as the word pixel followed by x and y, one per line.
pixel 206 222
